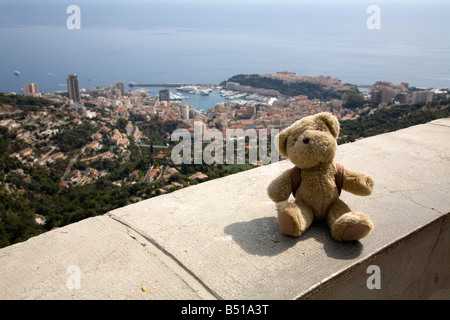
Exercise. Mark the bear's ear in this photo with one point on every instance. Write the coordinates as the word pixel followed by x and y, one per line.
pixel 282 139
pixel 331 122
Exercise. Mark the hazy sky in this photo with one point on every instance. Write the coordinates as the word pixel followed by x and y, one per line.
pixel 211 40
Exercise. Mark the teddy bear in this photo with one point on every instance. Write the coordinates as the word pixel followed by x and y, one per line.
pixel 316 181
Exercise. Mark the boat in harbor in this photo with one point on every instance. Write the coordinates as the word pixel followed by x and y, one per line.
pixel 204 91
pixel 176 96
pixel 186 88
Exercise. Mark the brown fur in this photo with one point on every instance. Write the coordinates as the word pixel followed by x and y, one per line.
pixel 310 143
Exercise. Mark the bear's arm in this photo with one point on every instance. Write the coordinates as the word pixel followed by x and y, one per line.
pixel 357 183
pixel 280 188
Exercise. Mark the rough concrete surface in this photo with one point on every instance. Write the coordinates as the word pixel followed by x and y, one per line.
pixel 219 239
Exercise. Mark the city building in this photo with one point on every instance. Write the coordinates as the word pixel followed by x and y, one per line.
pixel 386 92
pixel 30 89
pixel 422 96
pixel 184 111
pixel 164 95
pixel 384 95
pixel 74 88
pixel 121 86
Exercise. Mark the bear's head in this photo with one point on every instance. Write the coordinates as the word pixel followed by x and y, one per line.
pixel 310 140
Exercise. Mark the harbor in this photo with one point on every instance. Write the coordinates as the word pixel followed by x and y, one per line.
pixel 201 96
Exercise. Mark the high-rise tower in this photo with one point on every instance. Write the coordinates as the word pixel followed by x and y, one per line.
pixel 74 88
pixel 30 89
pixel 121 86
pixel 164 95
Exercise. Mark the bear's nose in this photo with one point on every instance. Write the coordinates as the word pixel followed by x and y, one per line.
pixel 305 140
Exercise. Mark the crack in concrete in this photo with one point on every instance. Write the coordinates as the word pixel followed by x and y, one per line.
pixel 131 236
pixel 439 125
pixel 426 268
pixel 401 192
pixel 431 255
pixel 419 204
pixel 171 257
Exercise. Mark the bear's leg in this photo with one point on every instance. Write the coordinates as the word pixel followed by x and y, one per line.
pixel 347 225
pixel 293 219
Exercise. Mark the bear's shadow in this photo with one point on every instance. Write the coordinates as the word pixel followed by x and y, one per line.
pixel 263 238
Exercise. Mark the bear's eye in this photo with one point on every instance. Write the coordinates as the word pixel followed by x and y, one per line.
pixel 320 129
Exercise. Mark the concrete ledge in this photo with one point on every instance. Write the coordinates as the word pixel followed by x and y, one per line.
pixel 414 267
pixel 219 239
pixel 114 262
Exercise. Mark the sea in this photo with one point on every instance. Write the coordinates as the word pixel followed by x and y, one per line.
pixel 202 41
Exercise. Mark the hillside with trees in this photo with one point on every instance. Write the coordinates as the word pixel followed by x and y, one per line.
pixel 36 197
pixel 290 89
pixel 392 119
